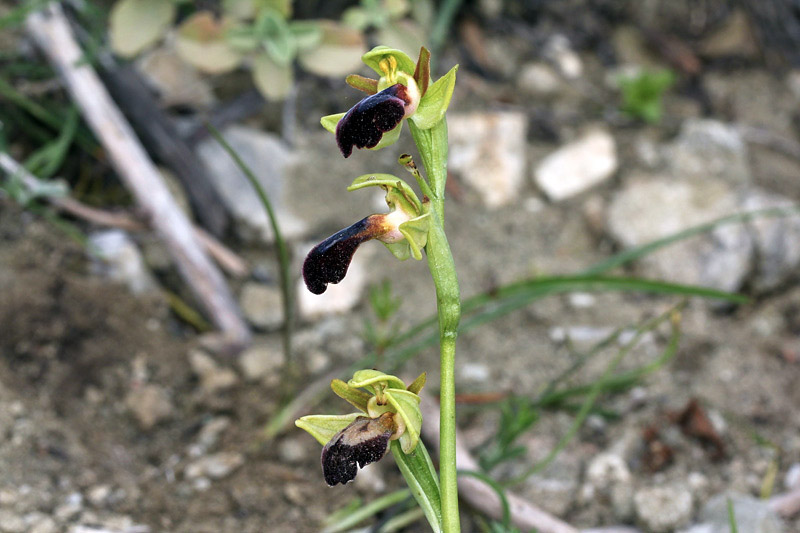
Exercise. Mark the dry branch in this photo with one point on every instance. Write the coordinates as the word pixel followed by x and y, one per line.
pixel 51 31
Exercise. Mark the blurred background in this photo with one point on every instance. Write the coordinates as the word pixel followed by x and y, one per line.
pixel 624 179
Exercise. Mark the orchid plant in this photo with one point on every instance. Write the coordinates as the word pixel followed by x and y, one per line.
pixel 389 416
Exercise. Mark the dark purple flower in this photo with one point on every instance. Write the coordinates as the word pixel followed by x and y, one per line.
pixel 366 122
pixel 363 442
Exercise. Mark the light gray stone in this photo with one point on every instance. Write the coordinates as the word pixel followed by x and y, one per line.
pixel 649 209
pixel 260 361
pixel 752 515
pixel 267 157
pixel 538 79
pixel 150 404
pixel 216 466
pixel 118 258
pixel 663 508
pixel 11 522
pixel 578 166
pixel 262 305
pixel 706 149
pixel 777 240
pixel 607 469
pixel 559 50
pixel 176 82
pixel 488 151
pixel 213 377
pixel 792 478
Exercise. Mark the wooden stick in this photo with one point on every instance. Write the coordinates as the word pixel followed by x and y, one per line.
pixel 224 256
pixel 51 31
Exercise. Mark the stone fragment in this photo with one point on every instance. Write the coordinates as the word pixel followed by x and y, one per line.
pixel 488 151
pixel 538 80
pixel 117 258
pixel 260 360
pixel 150 404
pixel 262 305
pixel 777 240
pixel 267 157
pixel 649 209
pixel 662 509
pixel 735 38
pixel 559 50
pixel 213 377
pixel 216 466
pixel 752 515
pixel 707 148
pixel 577 166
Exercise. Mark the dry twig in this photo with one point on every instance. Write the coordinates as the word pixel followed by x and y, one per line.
pixel 51 31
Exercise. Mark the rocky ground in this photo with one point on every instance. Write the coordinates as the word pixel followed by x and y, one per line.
pixel 115 418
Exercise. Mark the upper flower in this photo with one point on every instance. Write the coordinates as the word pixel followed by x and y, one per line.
pixel 404 230
pixel 390 412
pixel 403 91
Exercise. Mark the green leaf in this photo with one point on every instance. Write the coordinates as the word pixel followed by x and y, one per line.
pixel 329 122
pixel 416 233
pixel 324 427
pixel 357 398
pixel 406 404
pixel 434 104
pixel 344 521
pixel 367 377
pixel 373 58
pixel 136 24
pixel 338 52
pixel 201 42
pixel 276 36
pixel 420 475
pixel 274 81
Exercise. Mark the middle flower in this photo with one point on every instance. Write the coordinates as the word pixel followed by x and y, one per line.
pixel 404 230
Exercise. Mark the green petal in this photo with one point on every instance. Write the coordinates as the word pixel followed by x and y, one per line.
pixel 434 104
pixel 398 191
pixel 389 138
pixel 373 58
pixel 329 122
pixel 357 398
pixel 416 233
pixel 364 378
pixel 324 427
pixel 418 383
pixel 406 404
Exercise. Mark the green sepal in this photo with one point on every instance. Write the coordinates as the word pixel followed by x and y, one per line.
pixel 406 404
pixel 416 233
pixel 417 384
pixel 401 250
pixel 329 122
pixel 398 193
pixel 373 58
pixel 434 104
pixel 420 475
pixel 324 427
pixel 355 397
pixel 367 85
pixel 367 377
pixel 389 138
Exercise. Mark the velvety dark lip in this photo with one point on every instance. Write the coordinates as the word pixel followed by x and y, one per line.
pixel 361 443
pixel 366 122
pixel 328 261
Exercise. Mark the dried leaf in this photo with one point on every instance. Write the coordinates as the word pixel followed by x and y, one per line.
pixel 201 42
pixel 136 24
pixel 339 51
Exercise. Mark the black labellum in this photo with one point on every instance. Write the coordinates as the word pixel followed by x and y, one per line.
pixel 366 122
pixel 328 261
pixel 363 442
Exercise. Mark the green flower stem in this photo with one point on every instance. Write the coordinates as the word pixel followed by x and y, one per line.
pixel 432 147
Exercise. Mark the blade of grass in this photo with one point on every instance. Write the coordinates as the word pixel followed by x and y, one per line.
pixel 283 255
pixel 364 512
pixel 599 386
pixel 495 486
pixel 399 522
